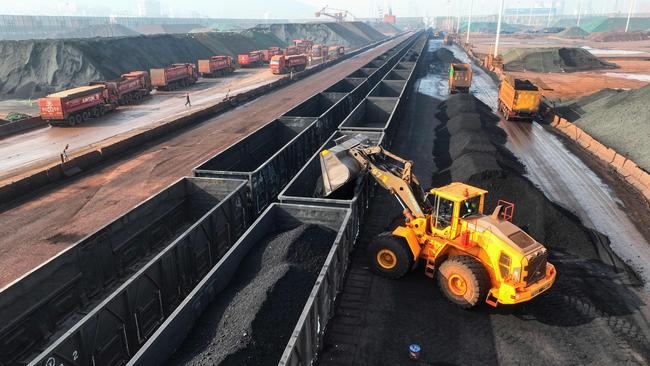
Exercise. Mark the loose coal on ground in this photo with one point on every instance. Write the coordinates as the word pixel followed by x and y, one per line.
pixel 250 322
pixel 587 317
pixel 616 118
pixel 552 59
pixel 586 265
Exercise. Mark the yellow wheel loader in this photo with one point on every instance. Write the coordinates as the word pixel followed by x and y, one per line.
pixel 477 257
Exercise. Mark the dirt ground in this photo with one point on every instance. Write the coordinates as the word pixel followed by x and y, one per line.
pixel 40 226
pixel 483 43
pixel 633 71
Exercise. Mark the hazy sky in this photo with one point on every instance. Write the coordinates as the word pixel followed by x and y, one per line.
pixel 295 8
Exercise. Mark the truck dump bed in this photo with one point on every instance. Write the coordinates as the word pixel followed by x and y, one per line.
pixel 460 78
pixel 77 92
pixel 518 98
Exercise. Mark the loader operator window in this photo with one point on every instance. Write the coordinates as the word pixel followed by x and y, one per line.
pixel 444 209
pixel 470 207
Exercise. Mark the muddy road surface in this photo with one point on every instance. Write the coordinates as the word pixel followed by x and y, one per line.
pixel 596 313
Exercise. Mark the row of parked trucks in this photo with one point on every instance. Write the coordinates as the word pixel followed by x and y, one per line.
pixel 73 106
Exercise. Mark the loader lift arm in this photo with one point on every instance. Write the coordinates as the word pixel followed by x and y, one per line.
pixel 349 158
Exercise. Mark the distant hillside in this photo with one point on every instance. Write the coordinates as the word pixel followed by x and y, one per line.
pixel 33 68
pixel 347 33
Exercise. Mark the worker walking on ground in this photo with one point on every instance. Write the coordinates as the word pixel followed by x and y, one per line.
pixel 187 102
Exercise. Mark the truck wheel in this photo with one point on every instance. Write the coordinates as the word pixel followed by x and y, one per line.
pixel 71 121
pixel 85 116
pixel 78 119
pixel 390 256
pixel 464 281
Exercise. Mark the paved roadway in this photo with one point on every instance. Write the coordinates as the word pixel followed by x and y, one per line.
pixel 42 146
pixel 39 227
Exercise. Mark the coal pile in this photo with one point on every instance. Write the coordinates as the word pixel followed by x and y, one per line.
pixel 552 59
pixel 446 56
pixel 251 321
pixel 100 30
pixel 469 147
pixel 573 33
pixel 348 34
pixel 34 68
pixel 616 118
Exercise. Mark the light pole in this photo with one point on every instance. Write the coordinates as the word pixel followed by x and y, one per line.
pixel 629 14
pixel 469 20
pixel 580 11
pixel 496 42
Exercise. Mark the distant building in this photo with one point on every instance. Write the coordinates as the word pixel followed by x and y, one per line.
pixel 149 8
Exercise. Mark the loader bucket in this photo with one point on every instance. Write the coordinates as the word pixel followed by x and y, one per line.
pixel 338 166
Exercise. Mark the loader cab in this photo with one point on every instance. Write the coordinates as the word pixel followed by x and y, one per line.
pixel 451 203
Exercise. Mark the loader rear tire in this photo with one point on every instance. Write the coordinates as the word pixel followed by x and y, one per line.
pixel 464 281
pixel 390 256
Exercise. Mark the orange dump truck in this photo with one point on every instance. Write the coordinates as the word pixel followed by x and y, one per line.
pixel 519 98
pixel 174 76
pixel 216 66
pixel 282 64
pixel 460 78
pixel 73 106
pixel 129 88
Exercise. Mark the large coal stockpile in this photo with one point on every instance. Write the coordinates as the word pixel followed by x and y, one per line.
pixel 469 148
pixel 617 119
pixel 34 68
pixel 349 34
pixel 250 322
pixel 552 59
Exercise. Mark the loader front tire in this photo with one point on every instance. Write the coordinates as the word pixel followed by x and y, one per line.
pixel 464 281
pixel 390 256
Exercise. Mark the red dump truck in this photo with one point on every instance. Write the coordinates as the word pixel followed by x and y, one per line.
pixel 291 50
pixel 73 106
pixel 319 50
pixel 282 64
pixel 174 76
pixel 251 59
pixel 303 42
pixel 216 66
pixel 129 88
pixel 336 51
pixel 272 51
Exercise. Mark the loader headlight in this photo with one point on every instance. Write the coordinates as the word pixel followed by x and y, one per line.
pixel 516 274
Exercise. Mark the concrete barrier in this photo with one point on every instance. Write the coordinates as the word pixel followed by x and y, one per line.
pixel 20 126
pixel 626 168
